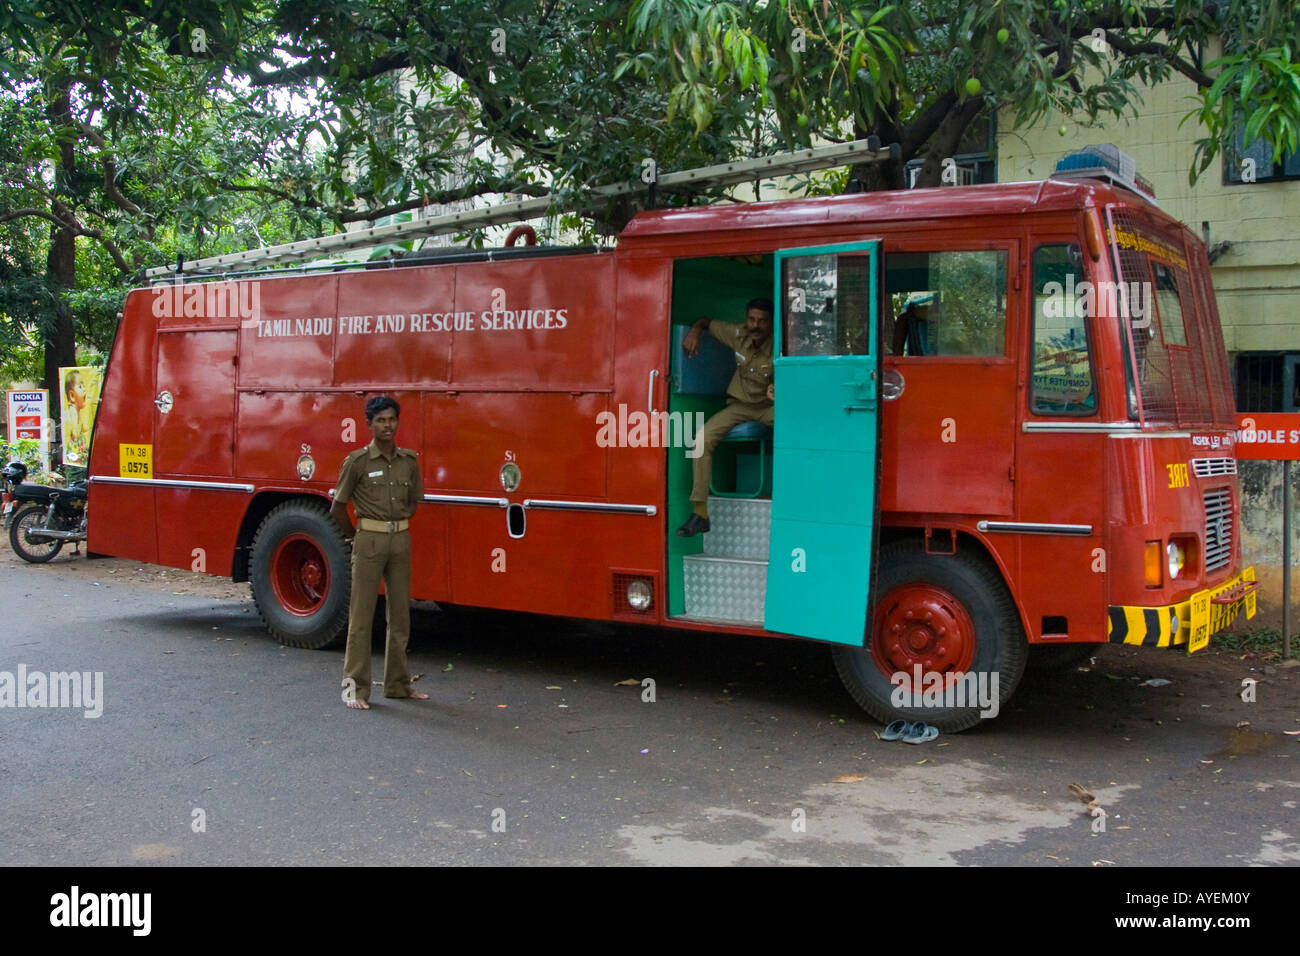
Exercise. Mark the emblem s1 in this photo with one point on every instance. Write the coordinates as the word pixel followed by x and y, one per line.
pixel 164 401
pixel 306 467
pixel 891 384
pixel 510 476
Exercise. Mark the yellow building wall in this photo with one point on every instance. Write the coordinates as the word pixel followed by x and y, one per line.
pixel 1257 278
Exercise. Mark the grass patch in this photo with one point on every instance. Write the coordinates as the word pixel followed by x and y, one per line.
pixel 1265 642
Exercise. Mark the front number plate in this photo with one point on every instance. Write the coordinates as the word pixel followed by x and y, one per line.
pixel 1200 635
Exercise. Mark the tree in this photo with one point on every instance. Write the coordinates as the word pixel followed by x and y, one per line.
pixel 919 73
pixel 114 123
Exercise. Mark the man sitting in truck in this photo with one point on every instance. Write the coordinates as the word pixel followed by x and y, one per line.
pixel 750 395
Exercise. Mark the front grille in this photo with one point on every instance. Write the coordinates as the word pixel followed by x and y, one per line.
pixel 1213 467
pixel 1218 528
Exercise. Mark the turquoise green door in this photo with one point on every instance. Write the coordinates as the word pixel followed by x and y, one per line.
pixel 824 441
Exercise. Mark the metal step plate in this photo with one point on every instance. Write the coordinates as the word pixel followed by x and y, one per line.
pixel 740 528
pixel 725 589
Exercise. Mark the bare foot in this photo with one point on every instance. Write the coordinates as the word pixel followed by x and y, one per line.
pixel 416 695
pixel 358 704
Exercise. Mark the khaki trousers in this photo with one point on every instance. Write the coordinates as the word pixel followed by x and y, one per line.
pixel 377 555
pixel 715 429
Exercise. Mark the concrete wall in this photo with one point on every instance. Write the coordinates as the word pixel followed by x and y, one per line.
pixel 1261 541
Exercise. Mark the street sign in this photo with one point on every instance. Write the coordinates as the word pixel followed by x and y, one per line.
pixel 1269 436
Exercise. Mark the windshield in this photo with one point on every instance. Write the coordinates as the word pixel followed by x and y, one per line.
pixel 1176 367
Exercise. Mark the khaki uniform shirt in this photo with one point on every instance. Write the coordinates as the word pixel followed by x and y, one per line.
pixel 381 490
pixel 753 364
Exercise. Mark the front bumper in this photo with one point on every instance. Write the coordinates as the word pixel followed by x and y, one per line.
pixel 1190 623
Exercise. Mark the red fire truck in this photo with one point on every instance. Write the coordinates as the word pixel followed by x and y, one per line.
pixel 1004 421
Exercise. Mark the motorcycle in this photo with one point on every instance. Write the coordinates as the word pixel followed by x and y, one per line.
pixel 44 519
pixel 11 476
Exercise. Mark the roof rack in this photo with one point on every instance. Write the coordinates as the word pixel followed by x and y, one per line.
pixel 1105 161
pixel 722 174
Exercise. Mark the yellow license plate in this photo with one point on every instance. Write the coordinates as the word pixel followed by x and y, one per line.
pixel 1200 635
pixel 135 461
pixel 1209 618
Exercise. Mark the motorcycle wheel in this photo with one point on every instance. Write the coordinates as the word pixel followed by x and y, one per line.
pixel 26 543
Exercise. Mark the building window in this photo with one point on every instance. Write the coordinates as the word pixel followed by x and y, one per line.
pixel 1267 382
pixel 974 155
pixel 1257 158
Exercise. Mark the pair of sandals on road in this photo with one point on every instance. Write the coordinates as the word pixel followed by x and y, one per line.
pixel 910 733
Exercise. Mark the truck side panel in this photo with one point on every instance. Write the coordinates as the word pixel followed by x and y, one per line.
pixel 123 521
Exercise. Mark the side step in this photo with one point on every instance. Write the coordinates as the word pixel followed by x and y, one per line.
pixel 727 583
pixel 725 589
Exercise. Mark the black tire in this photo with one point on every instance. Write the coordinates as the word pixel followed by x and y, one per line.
pixel 301 575
pixel 976 588
pixel 1046 658
pixel 37 550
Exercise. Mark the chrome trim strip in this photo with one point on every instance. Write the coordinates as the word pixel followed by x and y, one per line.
pixel 648 510
pixel 172 483
pixel 1085 427
pixel 467 500
pixel 1153 435
pixel 1034 527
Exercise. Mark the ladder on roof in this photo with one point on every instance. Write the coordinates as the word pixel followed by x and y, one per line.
pixel 722 174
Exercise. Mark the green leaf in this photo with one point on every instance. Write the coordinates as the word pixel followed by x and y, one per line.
pixel 701 112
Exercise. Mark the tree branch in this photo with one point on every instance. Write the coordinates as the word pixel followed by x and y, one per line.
pixel 324 69
pixel 468 191
pixel 110 172
pixel 75 227
pixel 39 213
pixel 922 127
pixel 1202 79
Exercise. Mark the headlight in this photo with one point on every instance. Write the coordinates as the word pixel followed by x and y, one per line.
pixel 1176 559
pixel 639 595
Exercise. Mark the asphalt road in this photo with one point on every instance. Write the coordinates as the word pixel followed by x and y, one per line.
pixel 217 746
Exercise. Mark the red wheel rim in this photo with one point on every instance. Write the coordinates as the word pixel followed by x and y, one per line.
pixel 300 575
pixel 922 625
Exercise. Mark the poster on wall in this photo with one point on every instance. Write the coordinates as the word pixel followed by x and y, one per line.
pixel 78 401
pixel 28 414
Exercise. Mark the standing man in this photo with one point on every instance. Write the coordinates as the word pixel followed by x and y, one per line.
pixel 749 396
pixel 383 481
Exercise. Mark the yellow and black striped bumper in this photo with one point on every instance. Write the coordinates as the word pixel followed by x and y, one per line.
pixel 1190 623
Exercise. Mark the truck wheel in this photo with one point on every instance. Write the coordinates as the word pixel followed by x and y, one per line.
pixel 947 614
pixel 301 575
pixel 26 544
